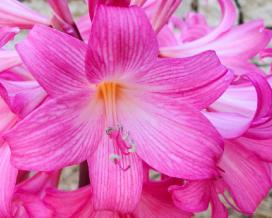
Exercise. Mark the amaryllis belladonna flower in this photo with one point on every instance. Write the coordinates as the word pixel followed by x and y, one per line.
pixel 115 103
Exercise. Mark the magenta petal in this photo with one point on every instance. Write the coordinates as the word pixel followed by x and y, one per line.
pixel 116 47
pixel 55 59
pixel 21 96
pixel 116 186
pixel 246 177
pixel 7 181
pixel 68 204
pixel 33 207
pixel 84 26
pixel 180 136
pixel 38 183
pixel 163 11
pixel 193 196
pixel 9 59
pixel 13 13
pixel 263 148
pixel 156 202
pixel 218 208
pixel 61 9
pixel 94 4
pixel 61 132
pixel 197 80
pixel 7 34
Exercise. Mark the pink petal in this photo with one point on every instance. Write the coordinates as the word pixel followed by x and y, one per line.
pixel 162 12
pixel 218 208
pixel 263 148
pixel 115 186
pixel 7 34
pixel 194 196
pixel 262 131
pixel 246 177
pixel 70 204
pixel 61 9
pixel 138 2
pixel 93 4
pixel 21 96
pixel 241 67
pixel 7 181
pixel 37 184
pixel 84 26
pixel 255 38
pixel 156 202
pixel 253 99
pixel 8 119
pixel 55 59
pixel 116 45
pixel 166 37
pixel 266 53
pixel 179 135
pixel 61 132
pixel 8 59
pixel 33 207
pixel 197 80
pixel 14 13
pixel 229 125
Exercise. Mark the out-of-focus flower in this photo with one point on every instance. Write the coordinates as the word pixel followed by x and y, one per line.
pixel 15 14
pixel 227 39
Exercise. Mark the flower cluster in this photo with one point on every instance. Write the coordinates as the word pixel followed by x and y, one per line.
pixel 164 115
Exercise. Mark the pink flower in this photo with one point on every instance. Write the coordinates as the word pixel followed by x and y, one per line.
pixel 244 176
pixel 227 39
pixel 245 122
pixel 23 199
pixel 122 104
pixel 155 202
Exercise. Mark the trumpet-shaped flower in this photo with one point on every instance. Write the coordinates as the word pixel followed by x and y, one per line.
pixel 115 103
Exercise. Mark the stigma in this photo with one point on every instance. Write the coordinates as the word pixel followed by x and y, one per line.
pixel 122 142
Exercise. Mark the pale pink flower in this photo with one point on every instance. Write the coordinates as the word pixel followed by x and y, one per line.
pixel 122 103
pixel 227 39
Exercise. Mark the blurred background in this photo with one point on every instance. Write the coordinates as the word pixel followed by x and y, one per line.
pixel 248 10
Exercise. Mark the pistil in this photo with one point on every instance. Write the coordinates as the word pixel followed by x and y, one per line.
pixel 122 142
